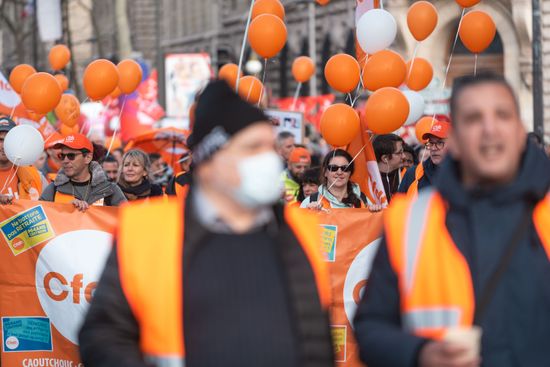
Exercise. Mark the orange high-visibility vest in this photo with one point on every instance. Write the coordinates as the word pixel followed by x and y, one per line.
pixel 434 279
pixel 62 198
pixel 181 190
pixel 150 253
pixel 30 183
pixel 418 174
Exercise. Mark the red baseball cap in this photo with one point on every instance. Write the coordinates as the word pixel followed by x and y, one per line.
pixel 53 140
pixel 440 129
pixel 299 155
pixel 76 142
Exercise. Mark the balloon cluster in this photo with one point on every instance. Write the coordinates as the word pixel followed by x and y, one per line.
pixel 267 36
pixel 43 92
pixel 383 72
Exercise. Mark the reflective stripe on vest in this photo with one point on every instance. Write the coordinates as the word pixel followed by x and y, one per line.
pixel 165 361
pixel 418 174
pixel 434 278
pixel 150 252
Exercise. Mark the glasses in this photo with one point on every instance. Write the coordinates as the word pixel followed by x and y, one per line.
pixel 71 156
pixel 435 145
pixel 335 168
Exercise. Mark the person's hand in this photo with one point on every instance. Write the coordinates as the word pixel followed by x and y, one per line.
pixel 6 199
pixel 80 205
pixel 374 208
pixel 446 354
pixel 316 205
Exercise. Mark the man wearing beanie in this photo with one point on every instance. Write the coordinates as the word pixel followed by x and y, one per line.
pixel 224 277
pixel 299 161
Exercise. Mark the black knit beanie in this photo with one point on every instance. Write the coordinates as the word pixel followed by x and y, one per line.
pixel 220 114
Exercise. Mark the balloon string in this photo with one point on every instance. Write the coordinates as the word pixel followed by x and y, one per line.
pixel 382 4
pixel 244 42
pixel 116 129
pixel 412 60
pixel 12 111
pixel 475 64
pixel 296 94
pixel 263 81
pixel 10 178
pixel 450 58
pixel 453 50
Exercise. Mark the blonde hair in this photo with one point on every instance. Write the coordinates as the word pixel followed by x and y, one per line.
pixel 138 155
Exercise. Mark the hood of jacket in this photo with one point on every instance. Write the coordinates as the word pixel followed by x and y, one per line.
pixel 532 181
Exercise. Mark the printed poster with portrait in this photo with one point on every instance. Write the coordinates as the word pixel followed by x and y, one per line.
pixel 185 76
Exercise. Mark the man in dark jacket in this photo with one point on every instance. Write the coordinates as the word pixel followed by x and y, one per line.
pixel 248 287
pixel 488 188
pixel 81 181
pixel 422 177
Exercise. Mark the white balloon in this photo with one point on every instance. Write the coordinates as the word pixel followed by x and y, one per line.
pixel 376 30
pixel 416 106
pixel 23 145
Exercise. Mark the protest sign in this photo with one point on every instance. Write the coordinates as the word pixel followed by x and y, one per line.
pixel 350 239
pixel 51 259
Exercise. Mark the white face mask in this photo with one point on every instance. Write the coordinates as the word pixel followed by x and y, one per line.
pixel 260 180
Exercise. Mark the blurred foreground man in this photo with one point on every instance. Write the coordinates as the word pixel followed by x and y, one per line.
pixel 474 250
pixel 222 278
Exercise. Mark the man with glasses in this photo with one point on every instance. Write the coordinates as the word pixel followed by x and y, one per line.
pixel 389 156
pixel 81 181
pixel 422 175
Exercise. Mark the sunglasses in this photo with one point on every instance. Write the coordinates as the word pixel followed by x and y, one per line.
pixel 71 156
pixel 335 168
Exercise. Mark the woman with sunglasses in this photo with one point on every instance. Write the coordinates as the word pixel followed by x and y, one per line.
pixel 133 176
pixel 337 190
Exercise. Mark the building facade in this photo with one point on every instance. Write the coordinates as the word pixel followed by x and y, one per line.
pixel 216 27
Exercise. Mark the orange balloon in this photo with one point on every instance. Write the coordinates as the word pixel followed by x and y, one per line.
pixel 41 93
pixel 273 7
pixel 477 31
pixel 422 19
pixel 117 143
pixel 267 35
pixel 115 93
pixel 421 74
pixel 467 3
pixel 100 79
pixel 250 89
pixel 423 126
pixel 230 73
pixel 68 110
pixel 130 74
pixel 342 73
pixel 303 69
pixel 68 130
pixel 19 74
pixel 322 2
pixel 386 110
pixel 340 124
pixel 63 81
pixel 35 116
pixel 59 57
pixel 385 68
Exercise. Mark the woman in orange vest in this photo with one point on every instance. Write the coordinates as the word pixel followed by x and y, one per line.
pixel 224 277
pixel 472 252
pixel 133 177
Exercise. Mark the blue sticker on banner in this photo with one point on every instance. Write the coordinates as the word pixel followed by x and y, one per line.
pixel 26 334
pixel 329 236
